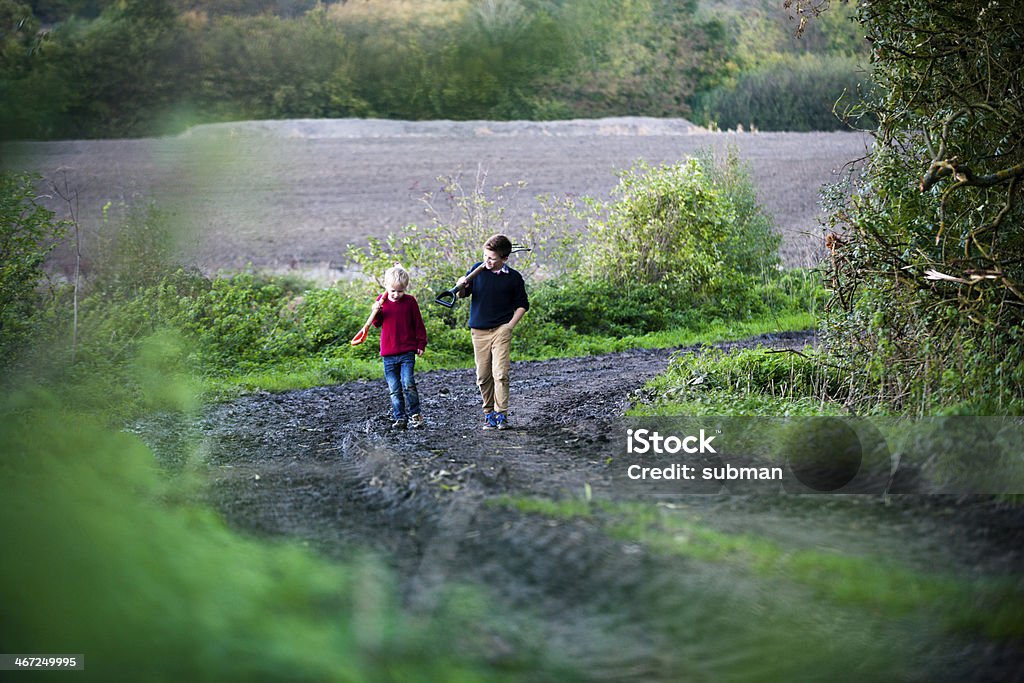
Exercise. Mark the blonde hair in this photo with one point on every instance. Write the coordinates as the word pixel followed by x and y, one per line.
pixel 396 275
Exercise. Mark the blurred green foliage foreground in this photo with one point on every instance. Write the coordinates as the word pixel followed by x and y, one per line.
pixel 103 556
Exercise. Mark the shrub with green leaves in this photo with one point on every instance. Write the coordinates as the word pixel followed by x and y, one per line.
pixel 681 246
pixel 689 231
pixel 793 93
pixel 244 321
pixel 28 233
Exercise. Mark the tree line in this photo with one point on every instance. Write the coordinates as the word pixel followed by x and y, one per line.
pixel 125 68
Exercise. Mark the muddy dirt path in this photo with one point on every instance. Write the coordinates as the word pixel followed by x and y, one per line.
pixel 266 445
pixel 323 467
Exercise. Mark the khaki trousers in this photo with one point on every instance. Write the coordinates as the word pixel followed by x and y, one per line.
pixel 491 350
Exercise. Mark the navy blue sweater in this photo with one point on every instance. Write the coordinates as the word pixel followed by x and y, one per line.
pixel 495 298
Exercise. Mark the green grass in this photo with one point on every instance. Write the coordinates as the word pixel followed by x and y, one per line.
pixel 306 373
pixel 756 382
pixel 726 403
pixel 295 373
pixel 563 508
pixel 876 585
pixel 311 371
pixel 713 332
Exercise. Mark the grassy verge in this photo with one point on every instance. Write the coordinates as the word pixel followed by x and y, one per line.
pixel 319 370
pixel 758 382
pixel 875 586
pixel 250 332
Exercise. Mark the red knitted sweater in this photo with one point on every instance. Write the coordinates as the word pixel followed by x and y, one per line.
pixel 401 326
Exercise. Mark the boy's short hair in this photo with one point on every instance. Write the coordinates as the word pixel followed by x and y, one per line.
pixel 499 244
pixel 396 275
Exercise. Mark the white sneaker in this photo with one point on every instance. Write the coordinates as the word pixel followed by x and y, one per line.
pixel 416 421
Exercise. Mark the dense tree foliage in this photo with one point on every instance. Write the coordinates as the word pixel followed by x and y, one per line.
pixel 79 68
pixel 805 93
pixel 927 262
pixel 50 11
pixel 27 234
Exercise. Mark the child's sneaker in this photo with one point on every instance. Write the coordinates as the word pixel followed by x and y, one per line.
pixel 490 421
pixel 500 421
pixel 398 424
pixel 416 421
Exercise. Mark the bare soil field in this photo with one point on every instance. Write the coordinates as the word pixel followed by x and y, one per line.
pixel 291 195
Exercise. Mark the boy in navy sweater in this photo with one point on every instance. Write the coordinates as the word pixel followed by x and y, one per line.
pixel 498 304
pixel 402 338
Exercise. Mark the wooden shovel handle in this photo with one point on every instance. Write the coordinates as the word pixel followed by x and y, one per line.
pixel 469 278
pixel 365 329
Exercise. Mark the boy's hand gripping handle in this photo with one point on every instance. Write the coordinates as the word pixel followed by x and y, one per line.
pixel 447 298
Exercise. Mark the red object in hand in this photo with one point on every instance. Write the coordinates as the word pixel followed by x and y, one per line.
pixel 361 334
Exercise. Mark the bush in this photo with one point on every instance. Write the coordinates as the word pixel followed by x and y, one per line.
pixel 27 234
pixel 244 321
pixel 690 232
pixel 599 307
pixel 805 93
pixel 325 316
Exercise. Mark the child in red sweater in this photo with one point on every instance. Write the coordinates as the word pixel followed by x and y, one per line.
pixel 402 338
